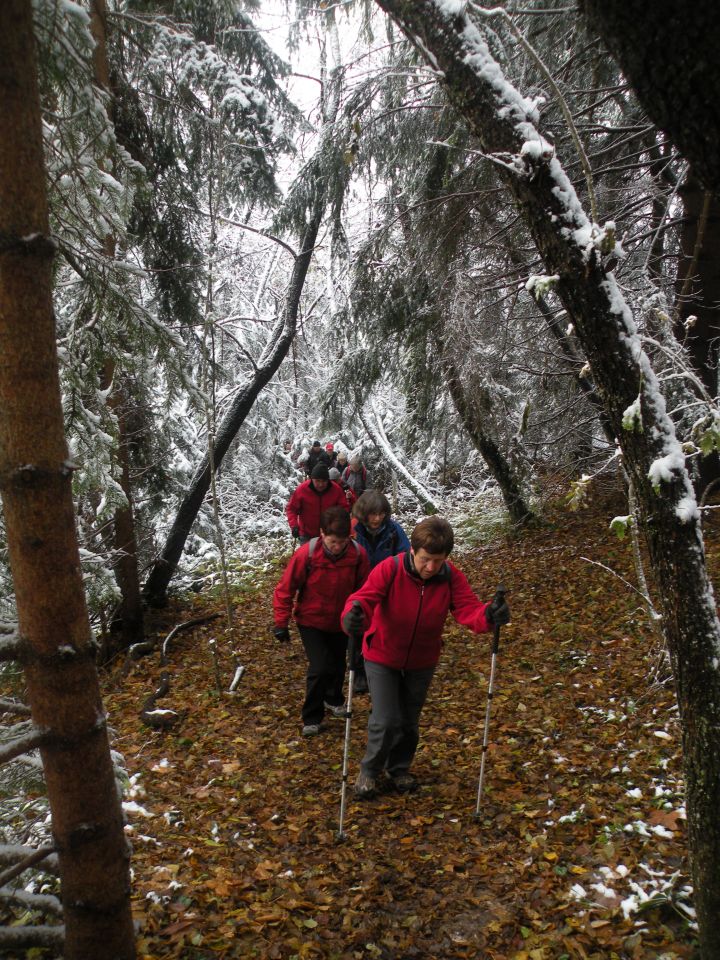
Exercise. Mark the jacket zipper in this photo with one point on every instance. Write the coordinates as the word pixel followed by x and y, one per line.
pixel 417 620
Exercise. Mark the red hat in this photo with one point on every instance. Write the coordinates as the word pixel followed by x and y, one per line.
pixel 329 446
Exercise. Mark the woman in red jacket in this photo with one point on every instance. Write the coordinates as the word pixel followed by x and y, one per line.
pixel 318 580
pixel 402 610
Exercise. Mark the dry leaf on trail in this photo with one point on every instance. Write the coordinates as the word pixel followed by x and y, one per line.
pixel 246 810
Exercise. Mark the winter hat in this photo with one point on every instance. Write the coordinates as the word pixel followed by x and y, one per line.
pixel 329 447
pixel 334 473
pixel 316 443
pixel 355 460
pixel 320 472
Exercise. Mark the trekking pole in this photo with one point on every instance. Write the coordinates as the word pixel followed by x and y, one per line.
pixel 499 594
pixel 352 641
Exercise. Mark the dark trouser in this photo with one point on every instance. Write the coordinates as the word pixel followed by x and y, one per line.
pixel 398 697
pixel 326 671
pixel 303 539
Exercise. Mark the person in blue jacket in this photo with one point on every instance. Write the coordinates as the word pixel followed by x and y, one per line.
pixel 382 537
pixel 375 530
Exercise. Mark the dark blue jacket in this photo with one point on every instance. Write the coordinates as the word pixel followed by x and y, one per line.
pixel 389 540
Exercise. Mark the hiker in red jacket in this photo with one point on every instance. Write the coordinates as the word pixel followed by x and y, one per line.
pixel 318 580
pixel 402 610
pixel 308 501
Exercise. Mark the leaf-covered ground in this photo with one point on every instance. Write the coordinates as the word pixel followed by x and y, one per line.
pixel 579 851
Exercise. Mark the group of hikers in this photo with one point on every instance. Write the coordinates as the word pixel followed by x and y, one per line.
pixel 361 576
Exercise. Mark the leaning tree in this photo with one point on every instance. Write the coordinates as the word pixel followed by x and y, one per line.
pixel 581 254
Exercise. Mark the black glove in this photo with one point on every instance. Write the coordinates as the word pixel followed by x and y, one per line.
pixel 282 634
pixel 497 613
pixel 295 531
pixel 354 622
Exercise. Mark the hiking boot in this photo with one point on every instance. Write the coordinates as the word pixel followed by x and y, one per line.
pixel 404 783
pixel 365 786
pixel 336 710
pixel 311 729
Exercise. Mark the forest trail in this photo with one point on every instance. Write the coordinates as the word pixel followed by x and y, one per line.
pixel 235 853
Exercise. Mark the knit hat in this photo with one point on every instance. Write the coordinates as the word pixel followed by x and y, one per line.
pixel 320 472
pixel 329 447
pixel 316 443
pixel 334 473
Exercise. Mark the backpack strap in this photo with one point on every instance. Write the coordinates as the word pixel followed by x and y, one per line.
pixel 308 564
pixel 311 550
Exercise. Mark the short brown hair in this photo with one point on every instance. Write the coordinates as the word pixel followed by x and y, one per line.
pixel 335 522
pixel 434 535
pixel 371 501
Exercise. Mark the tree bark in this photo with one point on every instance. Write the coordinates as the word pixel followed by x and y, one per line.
pixel 165 566
pixel 518 509
pixel 573 248
pixel 668 51
pixel 272 356
pixel 374 430
pixel 128 621
pixel 698 298
pixel 35 480
pixel 698 280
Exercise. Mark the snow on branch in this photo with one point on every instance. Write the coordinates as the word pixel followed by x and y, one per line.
pixel 374 429
pixel 33 739
pixel 9 646
pixel 42 902
pixel 13 939
pixel 20 858
pixel 7 705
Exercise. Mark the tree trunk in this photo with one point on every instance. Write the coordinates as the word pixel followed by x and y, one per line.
pixel 519 511
pixel 276 351
pixel 128 621
pixel 698 297
pixel 668 51
pixel 374 430
pixel 573 248
pixel 272 356
pixel 35 477
pixel 698 280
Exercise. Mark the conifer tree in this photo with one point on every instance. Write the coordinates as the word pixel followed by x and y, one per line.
pixel 55 644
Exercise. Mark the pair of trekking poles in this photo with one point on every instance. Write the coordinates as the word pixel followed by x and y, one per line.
pixel 354 640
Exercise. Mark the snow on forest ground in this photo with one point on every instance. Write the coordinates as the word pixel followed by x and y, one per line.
pixel 580 847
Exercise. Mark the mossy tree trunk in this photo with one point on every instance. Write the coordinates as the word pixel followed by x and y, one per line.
pixel 574 249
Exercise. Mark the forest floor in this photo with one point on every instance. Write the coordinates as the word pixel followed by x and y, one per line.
pixel 579 850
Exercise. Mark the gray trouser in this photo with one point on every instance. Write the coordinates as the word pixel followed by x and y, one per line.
pixel 397 697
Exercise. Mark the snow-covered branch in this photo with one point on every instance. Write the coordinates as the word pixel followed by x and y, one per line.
pixel 373 426
pixel 33 739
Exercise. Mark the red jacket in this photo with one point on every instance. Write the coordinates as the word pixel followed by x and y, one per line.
pixel 323 590
pixel 306 505
pixel 407 614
